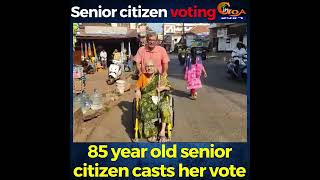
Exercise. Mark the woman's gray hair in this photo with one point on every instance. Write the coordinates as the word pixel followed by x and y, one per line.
pixel 147 61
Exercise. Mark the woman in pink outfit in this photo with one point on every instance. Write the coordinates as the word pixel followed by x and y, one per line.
pixel 193 72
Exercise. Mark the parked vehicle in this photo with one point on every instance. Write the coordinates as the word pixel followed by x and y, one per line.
pixel 182 57
pixel 199 51
pixel 237 67
pixel 115 71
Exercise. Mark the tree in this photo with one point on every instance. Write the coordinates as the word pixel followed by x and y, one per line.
pixel 75 30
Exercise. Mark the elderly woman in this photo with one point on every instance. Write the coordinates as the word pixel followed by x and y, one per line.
pixel 147 88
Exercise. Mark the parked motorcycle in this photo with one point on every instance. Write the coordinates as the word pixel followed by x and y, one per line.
pixel 237 67
pixel 204 55
pixel 182 57
pixel 115 71
pixel 199 51
pixel 89 68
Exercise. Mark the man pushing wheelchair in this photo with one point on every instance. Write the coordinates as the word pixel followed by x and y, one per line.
pixel 153 103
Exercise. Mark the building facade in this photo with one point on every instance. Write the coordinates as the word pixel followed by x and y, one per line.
pixel 105 37
pixel 173 33
pixel 226 36
pixel 172 28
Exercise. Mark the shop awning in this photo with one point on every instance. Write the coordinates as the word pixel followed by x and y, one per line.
pixel 105 32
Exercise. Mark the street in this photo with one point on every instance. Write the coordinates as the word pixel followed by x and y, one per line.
pixel 218 115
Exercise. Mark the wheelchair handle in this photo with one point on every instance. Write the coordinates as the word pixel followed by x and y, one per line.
pixel 137 104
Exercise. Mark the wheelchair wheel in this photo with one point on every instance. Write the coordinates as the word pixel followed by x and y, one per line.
pixel 170 125
pixel 172 108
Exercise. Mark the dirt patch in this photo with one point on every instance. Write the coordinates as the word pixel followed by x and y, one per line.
pixel 111 98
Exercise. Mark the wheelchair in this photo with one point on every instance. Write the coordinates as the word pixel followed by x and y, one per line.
pixel 137 121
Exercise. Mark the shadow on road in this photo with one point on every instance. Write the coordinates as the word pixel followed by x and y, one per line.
pixel 179 93
pixel 126 118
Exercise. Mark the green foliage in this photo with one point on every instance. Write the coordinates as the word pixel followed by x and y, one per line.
pixel 75 30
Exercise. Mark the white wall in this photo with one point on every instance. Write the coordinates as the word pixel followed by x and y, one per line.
pixel 234 41
pixel 245 41
pixel 133 26
pixel 224 46
pixel 177 27
pixel 168 28
pixel 176 37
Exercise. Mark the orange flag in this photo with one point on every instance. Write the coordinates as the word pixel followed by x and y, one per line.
pixel 85 51
pixel 89 50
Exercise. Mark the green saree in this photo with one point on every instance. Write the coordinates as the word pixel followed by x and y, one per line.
pixel 149 110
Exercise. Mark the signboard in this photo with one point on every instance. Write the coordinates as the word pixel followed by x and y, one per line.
pixel 222 32
pixel 195 43
pixel 99 30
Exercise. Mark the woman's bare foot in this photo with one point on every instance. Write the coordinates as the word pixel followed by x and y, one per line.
pixel 152 139
pixel 162 137
pixel 135 140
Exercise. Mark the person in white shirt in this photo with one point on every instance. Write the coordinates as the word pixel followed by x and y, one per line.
pixel 238 54
pixel 124 55
pixel 103 58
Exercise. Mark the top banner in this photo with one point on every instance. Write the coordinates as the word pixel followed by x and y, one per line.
pixel 160 11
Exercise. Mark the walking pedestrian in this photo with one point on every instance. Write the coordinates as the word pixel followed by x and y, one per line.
pixel 193 72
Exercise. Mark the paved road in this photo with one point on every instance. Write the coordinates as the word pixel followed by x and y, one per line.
pixel 219 113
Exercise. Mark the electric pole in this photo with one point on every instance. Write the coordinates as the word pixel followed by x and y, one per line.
pixel 183 34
